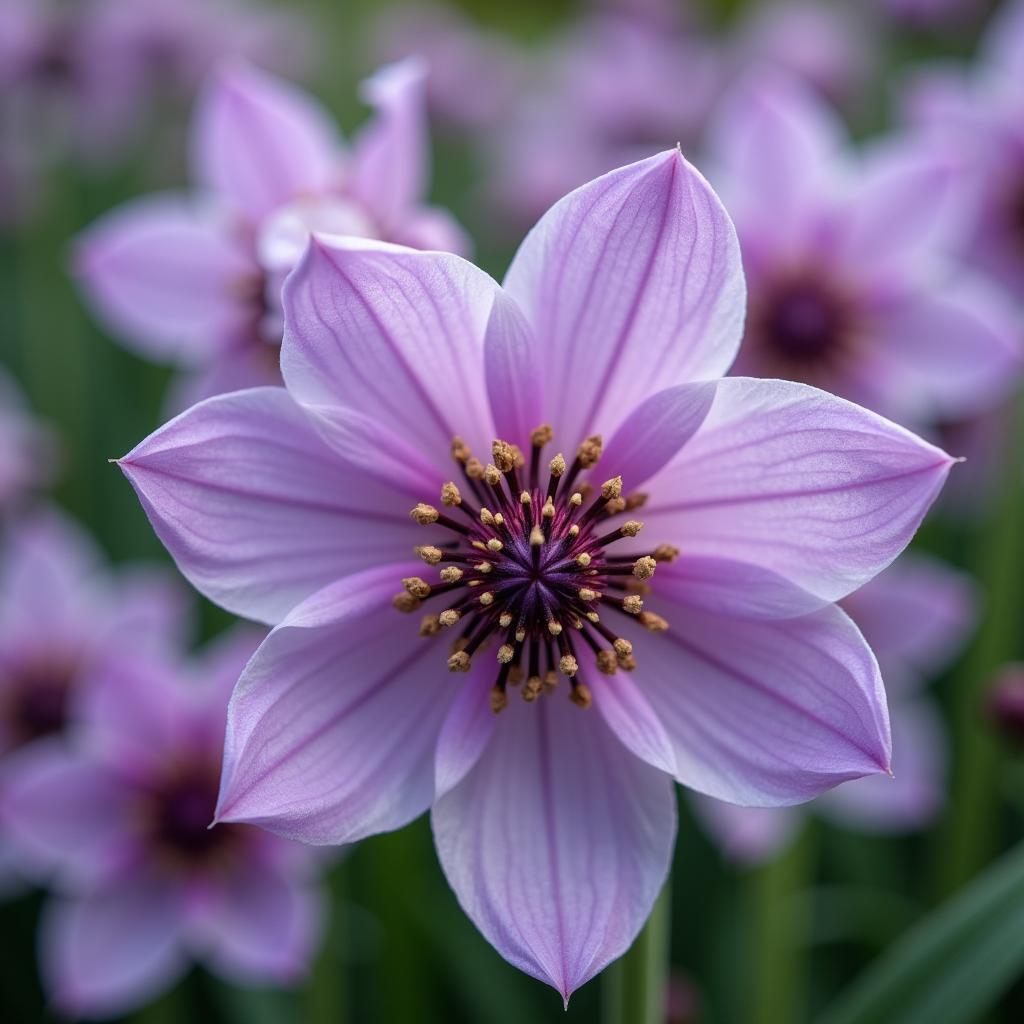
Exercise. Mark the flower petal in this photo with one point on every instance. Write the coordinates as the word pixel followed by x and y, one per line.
pixel 557 842
pixel 761 712
pixel 333 725
pixel 947 353
pixel 916 616
pixel 388 170
pixel 259 141
pixel 627 712
pixel 632 283
pixel 256 510
pixel 113 950
pixel 465 733
pixel 165 276
pixel 795 481
pixel 260 925
pixel 395 336
pixel 63 814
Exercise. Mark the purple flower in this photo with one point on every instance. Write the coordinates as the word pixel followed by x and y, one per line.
pixel 196 279
pixel 711 653
pixel 916 616
pixel 25 446
pixel 62 613
pixel 118 820
pixel 848 261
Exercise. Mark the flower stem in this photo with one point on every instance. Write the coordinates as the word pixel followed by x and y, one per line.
pixel 327 991
pixel 969 838
pixel 636 986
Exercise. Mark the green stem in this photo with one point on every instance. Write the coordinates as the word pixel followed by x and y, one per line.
pixel 327 992
pixel 636 986
pixel 969 838
pixel 778 929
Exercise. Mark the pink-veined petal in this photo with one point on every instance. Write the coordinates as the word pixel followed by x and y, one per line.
pixel 633 283
pixel 254 507
pixel 557 842
pixel 333 725
pixel 795 481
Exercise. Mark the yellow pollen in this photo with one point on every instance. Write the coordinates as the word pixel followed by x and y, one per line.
pixel 451 574
pixel 449 617
pixel 429 554
pixel 536 537
pixel 554 628
pixel 655 623
pixel 485 517
pixel 574 530
pixel 633 604
pixel 623 648
pixel 424 514
pixel 460 450
pixel 430 625
pixel 666 553
pixel 548 511
pixel 458 662
pixel 495 545
pixel 580 696
pixel 486 598
pixel 631 527
pixel 556 467
pixel 593 617
pixel 520 635
pixel 520 459
pixel 541 435
pixel 576 500
pixel 525 498
pixel 484 567
pixel 586 594
pixel 568 665
pixel 643 568
pixel 417 587
pixel 499 519
pixel 450 494
pixel 499 700
pixel 531 691
pixel 479 544
pixel 583 560
pixel 627 664
pixel 589 452
pixel 474 469
pixel 504 456
pixel 505 620
pixel 491 475
pixel 612 488
pixel 506 652
pixel 405 602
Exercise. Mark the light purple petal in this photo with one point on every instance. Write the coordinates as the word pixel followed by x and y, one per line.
pixel 657 429
pixel 388 171
pixel 633 283
pixel 916 616
pixel 915 794
pixel 259 141
pixel 775 148
pixel 513 362
pixel 765 713
pixel 333 725
pixel 788 478
pixel 557 842
pixel 465 732
pixel 395 336
pixel 431 227
pixel 260 926
pixel 749 835
pixel 949 351
pixel 151 607
pixel 165 276
pixel 629 715
pixel 66 817
pixel 256 510
pixel 112 950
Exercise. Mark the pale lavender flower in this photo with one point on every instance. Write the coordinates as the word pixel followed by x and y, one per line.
pixel 117 820
pixel 765 502
pixel 62 614
pixel 26 455
pixel 849 262
pixel 195 279
pixel 916 616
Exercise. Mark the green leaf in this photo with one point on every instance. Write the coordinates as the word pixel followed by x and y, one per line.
pixel 952 965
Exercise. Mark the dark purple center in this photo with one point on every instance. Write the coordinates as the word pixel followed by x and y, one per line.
pixel 530 560
pixel 182 810
pixel 801 322
pixel 38 699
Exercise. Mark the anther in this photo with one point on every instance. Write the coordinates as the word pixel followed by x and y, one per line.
pixel 430 625
pixel 525 498
pixel 550 681
pixel 491 475
pixel 576 500
pixel 460 450
pixel 589 452
pixel 486 517
pixel 451 574
pixel 637 500
pixel 580 696
pixel 417 587
pixel 643 568
pixel 459 662
pixel 474 469
pixel 633 604
pixel 554 628
pixel 568 665
pixel 557 465
pixel 532 688
pixel 574 531
pixel 505 620
pixel 506 652
pixel 548 511
pixel 449 617
pixel 520 635
pixel 495 545
pixel 484 567
pixel 405 602
pixel 425 514
pixel 586 594
pixel 631 527
pixel 486 598
pixel 450 494
pixel 504 456
pixel 499 699
pixel 651 621
pixel 541 435
pixel 429 553
pixel 623 648
pixel 666 553
pixel 612 488
pixel 583 560
pixel 607 662
pixel 536 537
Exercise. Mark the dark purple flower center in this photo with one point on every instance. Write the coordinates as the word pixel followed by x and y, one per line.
pixel 527 562
pixel 180 811
pixel 800 323
pixel 1015 212
pixel 36 697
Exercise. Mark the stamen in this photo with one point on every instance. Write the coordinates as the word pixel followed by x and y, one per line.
pixel 580 695
pixel 643 568
pixel 459 662
pixel 654 623
pixel 451 574
pixel 666 553
pixel 429 553
pixel 424 514
pixel 449 617
pixel 450 494
pixel 405 602
pixel 430 625
pixel 417 587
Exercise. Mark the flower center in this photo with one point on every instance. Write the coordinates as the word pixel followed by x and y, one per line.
pixel 37 700
pixel 801 322
pixel 1015 213
pixel 181 809
pixel 528 563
